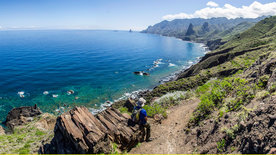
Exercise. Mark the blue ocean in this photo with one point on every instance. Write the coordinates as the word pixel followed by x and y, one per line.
pixel 56 69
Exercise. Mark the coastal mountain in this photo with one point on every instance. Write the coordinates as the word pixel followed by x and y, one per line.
pixel 202 30
pixel 237 91
pixel 223 104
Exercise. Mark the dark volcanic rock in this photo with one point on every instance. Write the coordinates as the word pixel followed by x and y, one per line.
pixel 78 131
pixel 253 135
pixel 21 115
pixel 130 104
pixel 190 30
pixel 259 133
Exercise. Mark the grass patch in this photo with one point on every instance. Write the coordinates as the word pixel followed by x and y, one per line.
pixel 24 139
pixel 39 133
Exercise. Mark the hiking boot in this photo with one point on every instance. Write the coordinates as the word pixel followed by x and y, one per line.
pixel 149 140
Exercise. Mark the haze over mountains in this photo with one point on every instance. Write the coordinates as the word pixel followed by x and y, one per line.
pixel 203 30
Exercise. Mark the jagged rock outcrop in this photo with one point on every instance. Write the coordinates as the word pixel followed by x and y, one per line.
pixel 205 27
pixel 190 30
pixel 78 131
pixel 21 115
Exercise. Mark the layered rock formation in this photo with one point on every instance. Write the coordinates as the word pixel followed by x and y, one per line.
pixel 78 131
pixel 20 116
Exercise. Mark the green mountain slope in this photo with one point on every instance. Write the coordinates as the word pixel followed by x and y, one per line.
pixel 203 30
pixel 237 88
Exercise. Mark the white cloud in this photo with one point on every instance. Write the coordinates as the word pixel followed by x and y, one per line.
pixel 212 4
pixel 254 10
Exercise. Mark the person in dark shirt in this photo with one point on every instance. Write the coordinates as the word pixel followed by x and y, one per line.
pixel 143 120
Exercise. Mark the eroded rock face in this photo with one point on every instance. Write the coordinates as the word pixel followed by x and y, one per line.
pixel 254 135
pixel 78 131
pixel 258 135
pixel 21 115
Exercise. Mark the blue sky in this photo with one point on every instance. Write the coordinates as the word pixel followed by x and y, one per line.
pixel 100 14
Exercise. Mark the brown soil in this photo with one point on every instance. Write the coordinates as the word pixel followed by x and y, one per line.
pixel 168 137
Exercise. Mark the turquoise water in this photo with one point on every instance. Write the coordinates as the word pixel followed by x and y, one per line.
pixel 97 65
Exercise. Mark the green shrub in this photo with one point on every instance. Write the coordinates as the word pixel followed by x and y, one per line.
pixel 155 109
pixel 233 148
pixel 221 113
pixel 114 148
pixel 262 94
pixel 124 110
pixel 214 98
pixel 272 87
pixel 203 89
pixel 174 98
pixel 138 145
pixel 221 145
pixel 182 84
pixel 231 132
pixel 263 81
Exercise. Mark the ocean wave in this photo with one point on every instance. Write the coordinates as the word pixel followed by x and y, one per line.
pixel 158 62
pixel 174 75
pixel 21 94
pixel 133 95
pixel 45 93
pixel 172 65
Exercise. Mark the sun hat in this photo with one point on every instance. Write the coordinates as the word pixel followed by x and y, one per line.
pixel 141 102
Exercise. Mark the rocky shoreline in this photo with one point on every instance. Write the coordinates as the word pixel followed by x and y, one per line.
pixel 104 120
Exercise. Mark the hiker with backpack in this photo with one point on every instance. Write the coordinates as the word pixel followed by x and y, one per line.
pixel 139 116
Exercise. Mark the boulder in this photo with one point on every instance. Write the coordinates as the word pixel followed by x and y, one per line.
pixel 78 131
pixel 146 74
pixel 20 116
pixel 138 72
pixel 130 104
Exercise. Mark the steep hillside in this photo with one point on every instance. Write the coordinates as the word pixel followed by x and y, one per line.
pixel 203 29
pixel 223 104
pixel 237 89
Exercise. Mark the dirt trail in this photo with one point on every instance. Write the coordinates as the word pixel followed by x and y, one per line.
pixel 168 137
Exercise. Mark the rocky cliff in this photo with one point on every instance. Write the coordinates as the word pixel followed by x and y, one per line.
pixel 27 128
pixel 78 131
pixel 22 115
